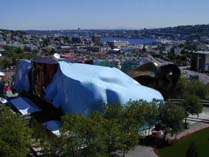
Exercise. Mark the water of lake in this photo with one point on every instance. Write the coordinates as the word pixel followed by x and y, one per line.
pixel 130 40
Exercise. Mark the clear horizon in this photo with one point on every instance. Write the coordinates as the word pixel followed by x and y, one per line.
pixel 98 14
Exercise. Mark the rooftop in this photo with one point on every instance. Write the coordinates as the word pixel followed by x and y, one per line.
pixel 202 52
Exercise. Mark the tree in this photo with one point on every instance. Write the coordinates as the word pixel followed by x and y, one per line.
pixel 192 150
pixel 15 136
pixel 194 87
pixel 49 143
pixel 12 55
pixel 5 63
pixel 18 51
pixel 144 48
pixel 115 135
pixel 151 115
pixel 113 126
pixel 197 88
pixel 84 135
pixel 101 133
pixel 124 123
pixel 171 116
pixel 134 112
pixel 70 133
pixel 192 106
pixel 180 89
pixel 96 136
pixel 113 111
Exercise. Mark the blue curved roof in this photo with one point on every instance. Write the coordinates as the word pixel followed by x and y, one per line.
pixel 21 82
pixel 82 88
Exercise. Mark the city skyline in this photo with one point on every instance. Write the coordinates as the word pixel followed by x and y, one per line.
pixel 97 14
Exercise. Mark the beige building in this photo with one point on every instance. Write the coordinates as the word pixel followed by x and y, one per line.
pixel 200 61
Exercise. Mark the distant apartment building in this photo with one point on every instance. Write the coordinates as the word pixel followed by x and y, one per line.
pixel 177 50
pixel 200 61
pixel 1 50
pixel 76 40
pixel 203 47
pixel 96 39
pixel 94 48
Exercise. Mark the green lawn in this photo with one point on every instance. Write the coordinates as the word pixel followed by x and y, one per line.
pixel 179 149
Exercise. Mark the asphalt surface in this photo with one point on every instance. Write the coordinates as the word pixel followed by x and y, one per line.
pixel 140 151
pixel 201 76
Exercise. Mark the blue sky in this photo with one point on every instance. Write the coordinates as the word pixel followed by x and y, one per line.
pixel 101 14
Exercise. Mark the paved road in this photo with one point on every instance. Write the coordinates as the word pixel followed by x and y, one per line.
pixel 140 151
pixel 202 76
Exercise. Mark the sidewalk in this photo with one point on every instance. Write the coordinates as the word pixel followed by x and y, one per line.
pixel 140 151
pixel 194 128
pixel 195 124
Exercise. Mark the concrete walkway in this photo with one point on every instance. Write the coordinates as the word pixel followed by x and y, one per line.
pixel 192 129
pixel 140 151
pixel 195 124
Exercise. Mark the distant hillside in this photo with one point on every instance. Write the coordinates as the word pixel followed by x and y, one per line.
pixel 194 28
pixel 13 32
pixel 182 32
